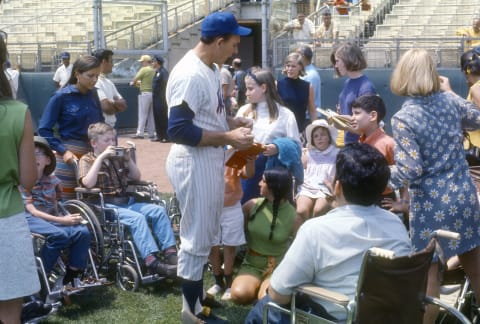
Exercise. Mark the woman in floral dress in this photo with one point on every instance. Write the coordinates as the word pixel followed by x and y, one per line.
pixel 429 157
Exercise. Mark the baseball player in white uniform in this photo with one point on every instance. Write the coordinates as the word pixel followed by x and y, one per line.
pixel 200 128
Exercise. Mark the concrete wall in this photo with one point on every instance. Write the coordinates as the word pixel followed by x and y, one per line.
pixel 36 89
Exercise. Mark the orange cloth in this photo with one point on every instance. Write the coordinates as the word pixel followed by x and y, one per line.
pixel 233 187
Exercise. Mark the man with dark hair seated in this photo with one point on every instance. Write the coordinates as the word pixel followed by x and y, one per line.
pixel 328 250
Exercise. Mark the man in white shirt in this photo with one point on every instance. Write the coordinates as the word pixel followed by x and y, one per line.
pixel 328 250
pixel 302 28
pixel 111 100
pixel 62 75
pixel 12 75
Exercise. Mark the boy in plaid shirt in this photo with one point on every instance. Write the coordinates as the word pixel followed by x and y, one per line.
pixel 103 169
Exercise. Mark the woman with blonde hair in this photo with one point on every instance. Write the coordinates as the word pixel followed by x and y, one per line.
pixel 297 94
pixel 429 157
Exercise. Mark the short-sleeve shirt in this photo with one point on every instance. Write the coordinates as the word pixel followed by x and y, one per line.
pixel 307 31
pixel 385 144
pixel 327 33
pixel 62 74
pixel 145 76
pixel 107 90
pixel 112 176
pixel 44 195
pixel 328 250
pixel 352 89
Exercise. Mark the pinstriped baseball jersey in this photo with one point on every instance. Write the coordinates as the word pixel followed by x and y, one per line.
pixel 194 82
pixel 196 173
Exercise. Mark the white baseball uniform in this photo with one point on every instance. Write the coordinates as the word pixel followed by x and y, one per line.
pixel 196 173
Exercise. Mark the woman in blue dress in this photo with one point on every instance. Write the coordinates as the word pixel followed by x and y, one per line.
pixel 297 94
pixel 429 157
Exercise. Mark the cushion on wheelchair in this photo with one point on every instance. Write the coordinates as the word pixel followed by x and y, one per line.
pixel 393 290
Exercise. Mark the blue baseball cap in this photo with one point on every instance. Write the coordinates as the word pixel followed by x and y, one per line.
pixel 65 55
pixel 222 23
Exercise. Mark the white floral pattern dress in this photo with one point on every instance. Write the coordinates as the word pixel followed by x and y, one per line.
pixel 430 158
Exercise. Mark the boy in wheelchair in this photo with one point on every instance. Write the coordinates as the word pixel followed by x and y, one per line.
pixel 44 217
pixel 328 250
pixel 109 168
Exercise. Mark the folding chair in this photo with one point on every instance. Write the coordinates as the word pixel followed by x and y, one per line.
pixel 390 290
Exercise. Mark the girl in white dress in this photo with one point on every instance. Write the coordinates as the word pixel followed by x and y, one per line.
pixel 318 158
pixel 271 120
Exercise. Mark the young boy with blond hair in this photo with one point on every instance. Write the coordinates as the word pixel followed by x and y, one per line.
pixel 105 169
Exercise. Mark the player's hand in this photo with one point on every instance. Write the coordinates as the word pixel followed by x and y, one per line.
pixel 242 122
pixel 241 138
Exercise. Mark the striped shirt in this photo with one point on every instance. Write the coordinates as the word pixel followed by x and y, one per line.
pixel 44 195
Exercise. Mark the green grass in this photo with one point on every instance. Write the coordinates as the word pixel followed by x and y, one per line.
pixel 159 302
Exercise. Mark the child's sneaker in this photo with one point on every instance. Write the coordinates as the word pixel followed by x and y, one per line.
pixel 227 295
pixel 214 290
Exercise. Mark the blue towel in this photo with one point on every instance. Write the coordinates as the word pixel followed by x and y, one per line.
pixel 289 156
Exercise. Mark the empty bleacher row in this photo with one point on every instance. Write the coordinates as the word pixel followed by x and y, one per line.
pixel 414 23
pixel 391 27
pixel 39 30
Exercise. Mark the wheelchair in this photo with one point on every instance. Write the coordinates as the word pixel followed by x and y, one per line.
pixel 52 289
pixel 456 291
pixel 390 289
pixel 111 245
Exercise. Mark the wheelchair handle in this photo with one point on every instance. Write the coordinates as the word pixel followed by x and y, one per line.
pixel 447 234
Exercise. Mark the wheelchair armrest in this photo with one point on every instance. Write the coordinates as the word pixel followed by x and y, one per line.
pixel 139 182
pixel 325 294
pixel 37 236
pixel 88 190
pixel 384 253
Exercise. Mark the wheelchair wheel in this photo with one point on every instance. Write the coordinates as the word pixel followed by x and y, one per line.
pixel 97 244
pixel 127 278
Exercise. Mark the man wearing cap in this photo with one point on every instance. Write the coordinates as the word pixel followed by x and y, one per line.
pixel 143 80
pixel 199 128
pixel 62 75
pixel 160 109
pixel 111 100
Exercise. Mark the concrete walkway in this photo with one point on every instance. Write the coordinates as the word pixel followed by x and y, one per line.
pixel 151 157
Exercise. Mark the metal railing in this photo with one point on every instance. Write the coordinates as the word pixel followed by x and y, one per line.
pixel 39 55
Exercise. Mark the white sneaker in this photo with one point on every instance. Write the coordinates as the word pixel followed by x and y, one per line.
pixel 226 295
pixel 215 289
